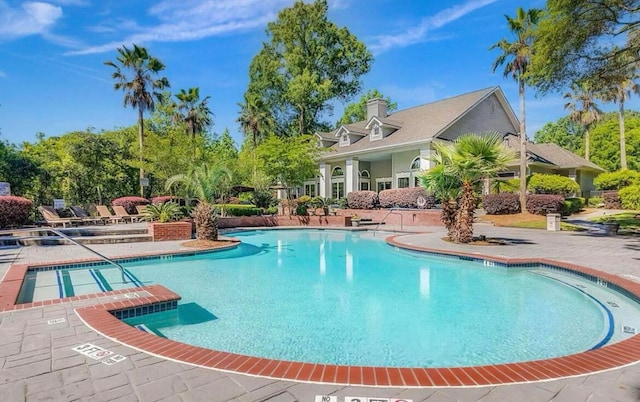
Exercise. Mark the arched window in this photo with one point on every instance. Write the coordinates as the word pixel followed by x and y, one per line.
pixel 337 172
pixel 365 174
pixel 415 165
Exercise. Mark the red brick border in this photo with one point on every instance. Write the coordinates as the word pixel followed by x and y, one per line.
pixel 622 353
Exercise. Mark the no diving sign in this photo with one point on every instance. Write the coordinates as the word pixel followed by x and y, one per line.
pixel 329 398
pixel 97 353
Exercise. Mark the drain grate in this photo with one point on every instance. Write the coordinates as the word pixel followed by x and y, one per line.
pixel 613 304
pixel 629 330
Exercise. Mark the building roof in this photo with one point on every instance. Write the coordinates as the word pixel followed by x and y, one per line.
pixel 552 154
pixel 414 125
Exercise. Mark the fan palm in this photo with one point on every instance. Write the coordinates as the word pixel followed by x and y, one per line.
pixel 140 88
pixel 205 184
pixel 472 159
pixel 255 120
pixel 584 110
pixel 194 113
pixel 516 56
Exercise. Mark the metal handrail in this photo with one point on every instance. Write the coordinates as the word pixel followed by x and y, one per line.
pixel 110 261
pixel 391 211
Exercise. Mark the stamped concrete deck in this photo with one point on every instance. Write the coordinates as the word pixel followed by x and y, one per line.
pixel 38 364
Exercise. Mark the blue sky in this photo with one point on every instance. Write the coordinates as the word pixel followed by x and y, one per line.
pixel 52 77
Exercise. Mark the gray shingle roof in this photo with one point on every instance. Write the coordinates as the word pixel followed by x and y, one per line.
pixel 553 154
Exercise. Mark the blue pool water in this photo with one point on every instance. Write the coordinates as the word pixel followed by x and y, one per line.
pixel 349 298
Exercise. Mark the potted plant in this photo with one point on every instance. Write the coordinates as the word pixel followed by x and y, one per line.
pixel 355 220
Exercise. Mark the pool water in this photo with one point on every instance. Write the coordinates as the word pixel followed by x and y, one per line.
pixel 338 297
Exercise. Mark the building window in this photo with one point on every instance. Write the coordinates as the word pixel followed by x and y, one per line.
pixel 403 182
pixel 376 132
pixel 507 175
pixel 384 184
pixel 364 186
pixel 337 190
pixel 310 190
pixel 416 182
pixel 337 172
pixel 415 165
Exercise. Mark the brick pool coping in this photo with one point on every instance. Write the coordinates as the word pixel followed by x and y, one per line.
pixel 101 318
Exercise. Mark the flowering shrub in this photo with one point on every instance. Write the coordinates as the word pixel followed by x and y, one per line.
pixel 405 198
pixel 501 204
pixel 161 199
pixel 612 200
pixel 630 197
pixel 542 204
pixel 14 210
pixel 362 199
pixel 129 203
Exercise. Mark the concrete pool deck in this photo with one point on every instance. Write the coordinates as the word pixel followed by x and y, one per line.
pixel 38 363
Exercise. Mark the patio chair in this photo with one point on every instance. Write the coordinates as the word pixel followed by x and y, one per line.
pixel 52 218
pixel 142 210
pixel 104 213
pixel 122 213
pixel 80 213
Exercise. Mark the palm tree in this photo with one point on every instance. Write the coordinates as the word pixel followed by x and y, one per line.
pixel 584 110
pixel 473 158
pixel 619 93
pixel 205 184
pixel 443 185
pixel 194 113
pixel 140 88
pixel 518 54
pixel 255 120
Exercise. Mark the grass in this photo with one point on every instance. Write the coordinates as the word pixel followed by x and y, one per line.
pixel 628 221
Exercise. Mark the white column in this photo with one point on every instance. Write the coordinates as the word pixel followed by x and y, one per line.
pixel 324 189
pixel 351 176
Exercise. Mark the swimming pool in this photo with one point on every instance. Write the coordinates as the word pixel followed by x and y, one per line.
pixel 347 298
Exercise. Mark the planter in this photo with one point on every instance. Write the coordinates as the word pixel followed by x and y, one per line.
pixel 169 231
pixel 611 228
pixel 355 223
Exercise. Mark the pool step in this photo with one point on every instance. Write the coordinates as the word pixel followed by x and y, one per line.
pixel 56 240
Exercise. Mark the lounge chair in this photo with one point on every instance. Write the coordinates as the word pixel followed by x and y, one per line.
pixel 104 213
pixel 122 213
pixel 52 218
pixel 142 210
pixel 80 213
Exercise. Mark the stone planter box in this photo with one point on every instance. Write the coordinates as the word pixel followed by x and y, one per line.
pixel 169 231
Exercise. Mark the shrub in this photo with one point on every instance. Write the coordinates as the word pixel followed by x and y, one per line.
pixel 612 200
pixel 161 199
pixel 238 209
pixel 362 199
pixel 405 198
pixel 630 197
pixel 263 199
pixel 164 212
pixel 14 211
pixel 271 211
pixel 552 184
pixel 616 180
pixel 542 204
pixel 129 203
pixel 501 204
pixel 572 205
pixel 595 202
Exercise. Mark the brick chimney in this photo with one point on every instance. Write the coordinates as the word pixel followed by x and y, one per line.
pixel 376 107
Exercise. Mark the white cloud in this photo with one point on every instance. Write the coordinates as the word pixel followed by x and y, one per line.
pixel 70 2
pixel 2 74
pixel 195 19
pixel 423 32
pixel 31 18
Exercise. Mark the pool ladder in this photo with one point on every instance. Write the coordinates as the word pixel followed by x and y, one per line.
pixel 110 261
pixel 391 211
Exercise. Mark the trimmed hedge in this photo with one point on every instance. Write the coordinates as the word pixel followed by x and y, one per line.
pixel 542 204
pixel 630 197
pixel 362 199
pixel 405 198
pixel 14 211
pixel 612 200
pixel 501 204
pixel 129 203
pixel 572 205
pixel 616 180
pixel 552 184
pixel 238 209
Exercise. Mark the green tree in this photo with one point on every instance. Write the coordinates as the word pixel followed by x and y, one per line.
pixel 289 161
pixel 577 41
pixel 140 87
pixel 516 56
pixel 564 132
pixel 619 92
pixel 223 149
pixel 17 169
pixel 443 184
pixel 194 113
pixel 606 141
pixel 255 119
pixel 584 110
pixel 357 111
pixel 306 62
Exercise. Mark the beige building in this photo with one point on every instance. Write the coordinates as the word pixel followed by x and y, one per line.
pixel 388 151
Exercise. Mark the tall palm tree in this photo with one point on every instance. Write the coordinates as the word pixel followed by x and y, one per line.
pixel 619 93
pixel 194 113
pixel 584 110
pixel 474 158
pixel 516 56
pixel 205 184
pixel 140 87
pixel 444 186
pixel 255 120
